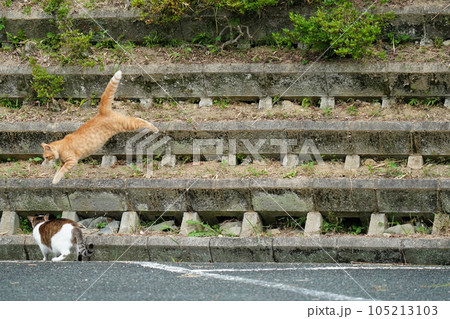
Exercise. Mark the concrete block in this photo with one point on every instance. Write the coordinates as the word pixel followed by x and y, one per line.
pixel 407 196
pixel 304 249
pixel 9 224
pixel 186 227
pixel 38 198
pixel 366 249
pixel 129 223
pixel 89 200
pixel 415 161
pixel 344 195
pixel 433 251
pixel 212 199
pixel 265 103
pixel 290 160
pixel 205 101
pixel 352 162
pixel 146 103
pixel 182 249
pixel 226 249
pixel 168 160
pixel 387 102
pixel 447 102
pixel 71 215
pixel 251 224
pixel 146 195
pixel 108 161
pixel 282 201
pixel 313 226
pixel 113 248
pixel 378 224
pixel 327 102
pixel 441 224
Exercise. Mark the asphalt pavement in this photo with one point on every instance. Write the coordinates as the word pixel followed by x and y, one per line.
pixel 151 281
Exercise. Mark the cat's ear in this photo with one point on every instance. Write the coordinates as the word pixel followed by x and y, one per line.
pixel 46 217
pixel 32 220
pixel 46 147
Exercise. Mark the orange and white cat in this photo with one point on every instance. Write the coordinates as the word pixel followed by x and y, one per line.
pixel 93 134
pixel 59 237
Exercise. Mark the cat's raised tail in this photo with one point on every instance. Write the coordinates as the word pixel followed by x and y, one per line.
pixel 108 94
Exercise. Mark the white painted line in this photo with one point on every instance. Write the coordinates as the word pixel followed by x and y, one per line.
pixel 266 284
pixel 328 268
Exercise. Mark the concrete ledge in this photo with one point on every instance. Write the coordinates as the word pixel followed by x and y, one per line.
pixel 229 197
pixel 279 249
pixel 243 81
pixel 364 138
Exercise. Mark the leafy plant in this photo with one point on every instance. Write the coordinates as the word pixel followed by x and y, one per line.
pixel 35 159
pixel 16 40
pixel 46 86
pixel 166 11
pixel 75 46
pixel 25 225
pixel 332 224
pixel 10 103
pixel 59 8
pixel 432 101
pixel 397 39
pixel 327 111
pixel 255 172
pixel 206 231
pixel 292 223
pixel 306 102
pixel 356 229
pixel 337 26
pixel 290 174
pixel 413 101
pixel 101 225
pixel 351 110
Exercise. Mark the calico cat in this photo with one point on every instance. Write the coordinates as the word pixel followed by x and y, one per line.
pixel 93 134
pixel 58 237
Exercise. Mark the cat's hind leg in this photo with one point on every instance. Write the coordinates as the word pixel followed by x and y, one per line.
pixel 134 123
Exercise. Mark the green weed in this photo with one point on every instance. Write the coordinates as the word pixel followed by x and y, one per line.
pixel 46 86
pixel 334 26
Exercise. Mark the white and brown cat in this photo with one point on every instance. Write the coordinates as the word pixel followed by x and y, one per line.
pixel 93 134
pixel 59 237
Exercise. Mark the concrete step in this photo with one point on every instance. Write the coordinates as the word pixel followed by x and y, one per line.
pixel 274 139
pixel 244 81
pixel 215 199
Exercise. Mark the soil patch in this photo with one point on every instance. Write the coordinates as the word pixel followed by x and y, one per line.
pixel 267 168
pixel 228 110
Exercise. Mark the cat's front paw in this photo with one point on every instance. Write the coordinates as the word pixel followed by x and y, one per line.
pixel 56 180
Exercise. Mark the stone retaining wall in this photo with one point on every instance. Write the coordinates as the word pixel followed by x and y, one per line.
pixel 416 21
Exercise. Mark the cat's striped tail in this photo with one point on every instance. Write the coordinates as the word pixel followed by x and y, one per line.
pixel 108 94
pixel 82 249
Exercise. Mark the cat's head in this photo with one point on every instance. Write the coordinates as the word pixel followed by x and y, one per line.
pixel 50 154
pixel 35 220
